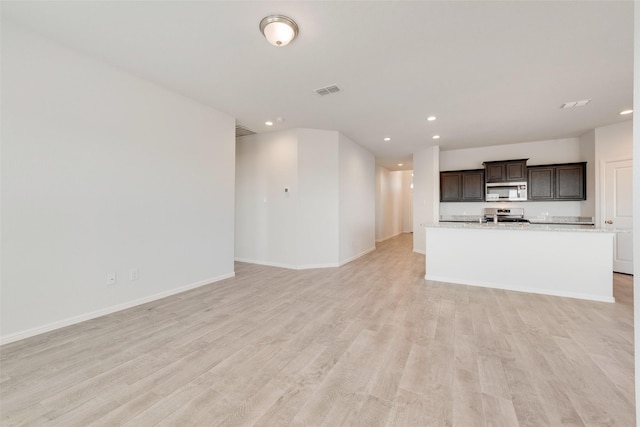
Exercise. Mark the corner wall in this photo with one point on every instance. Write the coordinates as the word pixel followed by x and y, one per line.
pixel 357 201
pixel 326 218
pixel 394 203
pixel 407 201
pixel 389 203
pixel 266 217
pixel 426 193
pixel 103 173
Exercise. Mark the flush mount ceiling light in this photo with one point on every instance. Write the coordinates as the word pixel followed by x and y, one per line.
pixel 387 139
pixel 431 118
pixel 279 30
pixel 436 137
pixel 268 123
pixel 625 112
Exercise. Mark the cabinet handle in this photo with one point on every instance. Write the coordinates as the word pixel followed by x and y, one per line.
pixel 608 221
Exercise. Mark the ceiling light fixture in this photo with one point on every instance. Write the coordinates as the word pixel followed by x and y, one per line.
pixel 400 164
pixel 387 139
pixel 269 123
pixel 625 112
pixel 279 30
pixel 431 118
pixel 573 104
pixel 436 136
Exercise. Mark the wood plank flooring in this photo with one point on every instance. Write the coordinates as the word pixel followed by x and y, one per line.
pixel 367 344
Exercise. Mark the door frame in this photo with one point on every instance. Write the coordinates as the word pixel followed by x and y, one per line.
pixel 600 190
pixel 601 205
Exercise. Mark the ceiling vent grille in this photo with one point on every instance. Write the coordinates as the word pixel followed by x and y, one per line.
pixel 328 90
pixel 575 103
pixel 243 131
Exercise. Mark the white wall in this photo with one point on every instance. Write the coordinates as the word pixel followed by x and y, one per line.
pixel 389 203
pixel 328 215
pixel 426 193
pixel 588 149
pixel 266 216
pixel 357 200
pixel 394 203
pixel 539 153
pixel 318 210
pixel 614 142
pixel 407 201
pixel 566 150
pixel 103 172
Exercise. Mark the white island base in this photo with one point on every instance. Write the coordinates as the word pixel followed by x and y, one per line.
pixel 571 263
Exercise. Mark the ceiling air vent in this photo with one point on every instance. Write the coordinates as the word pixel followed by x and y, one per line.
pixel 575 103
pixel 243 131
pixel 327 90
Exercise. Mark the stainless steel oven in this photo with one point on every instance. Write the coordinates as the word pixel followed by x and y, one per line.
pixel 503 215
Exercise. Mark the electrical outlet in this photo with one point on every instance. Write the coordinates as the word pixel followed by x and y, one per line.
pixel 111 279
pixel 134 274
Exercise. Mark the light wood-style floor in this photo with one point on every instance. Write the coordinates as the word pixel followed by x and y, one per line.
pixel 368 344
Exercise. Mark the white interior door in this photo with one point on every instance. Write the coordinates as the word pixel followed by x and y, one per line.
pixel 618 201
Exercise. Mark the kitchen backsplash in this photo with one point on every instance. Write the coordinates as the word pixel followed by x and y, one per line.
pixel 534 219
pixel 531 209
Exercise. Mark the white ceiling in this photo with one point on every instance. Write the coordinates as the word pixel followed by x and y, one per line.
pixel 492 72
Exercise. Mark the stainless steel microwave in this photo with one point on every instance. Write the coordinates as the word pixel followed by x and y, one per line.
pixel 506 191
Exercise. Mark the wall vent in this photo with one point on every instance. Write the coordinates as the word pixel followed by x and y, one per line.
pixel 575 103
pixel 243 131
pixel 328 90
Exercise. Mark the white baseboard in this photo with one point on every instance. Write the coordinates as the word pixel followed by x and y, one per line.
pixel 108 310
pixel 305 266
pixel 353 258
pixel 289 266
pixel 523 289
pixel 390 237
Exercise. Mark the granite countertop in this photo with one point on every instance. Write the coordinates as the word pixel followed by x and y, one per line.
pixel 578 220
pixel 525 227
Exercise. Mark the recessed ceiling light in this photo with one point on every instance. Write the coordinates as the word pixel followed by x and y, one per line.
pixel 269 123
pixel 387 139
pixel 400 164
pixel 626 112
pixel 436 136
pixel 431 118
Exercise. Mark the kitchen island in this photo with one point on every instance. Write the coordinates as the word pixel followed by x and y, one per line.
pixel 569 261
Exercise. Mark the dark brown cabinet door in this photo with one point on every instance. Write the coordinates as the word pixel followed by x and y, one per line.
pixel 558 182
pixel 473 186
pixel 570 182
pixel 506 171
pixel 541 183
pixel 450 186
pixel 462 186
pixel 495 172
pixel 516 171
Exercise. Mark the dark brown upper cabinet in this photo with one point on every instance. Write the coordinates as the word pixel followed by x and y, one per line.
pixel 462 186
pixel 506 170
pixel 541 183
pixel 558 182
